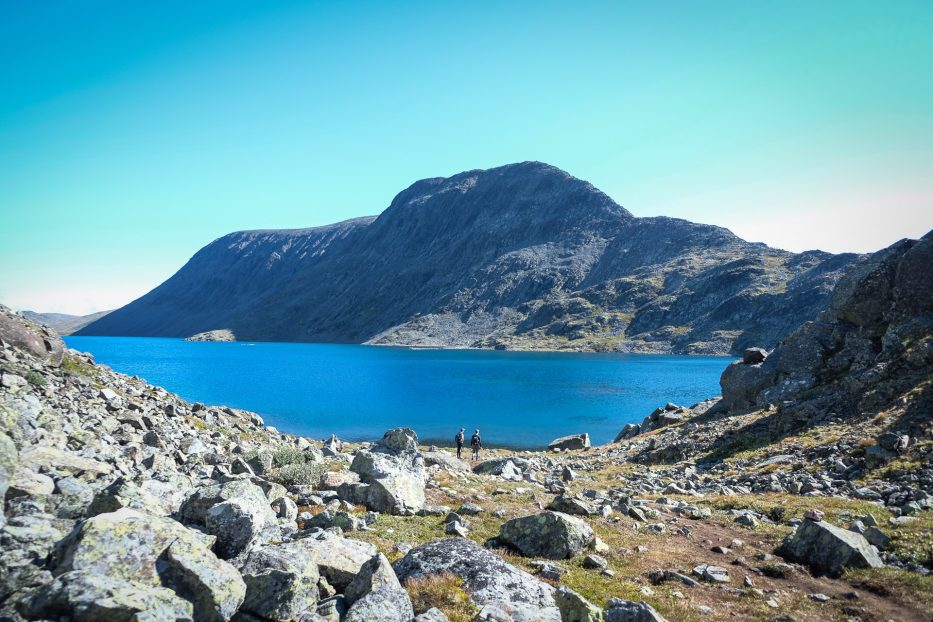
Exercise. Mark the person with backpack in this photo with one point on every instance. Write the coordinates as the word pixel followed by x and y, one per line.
pixel 459 439
pixel 476 443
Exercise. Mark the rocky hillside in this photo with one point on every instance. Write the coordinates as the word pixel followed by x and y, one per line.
pixel 522 256
pixel 63 323
pixel 124 502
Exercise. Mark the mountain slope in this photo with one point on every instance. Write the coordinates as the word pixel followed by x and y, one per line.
pixel 520 256
pixel 63 323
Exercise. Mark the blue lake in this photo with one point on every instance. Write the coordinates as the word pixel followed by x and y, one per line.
pixel 517 399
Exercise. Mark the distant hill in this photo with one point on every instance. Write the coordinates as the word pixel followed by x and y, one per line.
pixel 62 323
pixel 524 256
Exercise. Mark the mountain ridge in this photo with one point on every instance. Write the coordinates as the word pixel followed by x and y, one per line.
pixel 522 256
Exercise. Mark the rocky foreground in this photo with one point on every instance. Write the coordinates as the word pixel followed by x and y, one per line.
pixel 803 494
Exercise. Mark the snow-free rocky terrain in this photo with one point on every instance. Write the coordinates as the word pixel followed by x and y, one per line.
pixel 523 256
pixel 804 494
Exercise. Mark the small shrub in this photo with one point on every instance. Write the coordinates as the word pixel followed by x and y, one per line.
pixel 74 365
pixel 302 474
pixel 286 456
pixel 35 378
pixel 444 591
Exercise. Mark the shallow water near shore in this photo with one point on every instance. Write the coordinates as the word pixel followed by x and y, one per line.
pixel 517 399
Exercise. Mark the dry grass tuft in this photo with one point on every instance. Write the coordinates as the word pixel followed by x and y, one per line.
pixel 444 591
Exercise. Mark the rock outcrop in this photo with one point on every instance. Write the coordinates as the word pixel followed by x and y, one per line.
pixel 487 578
pixel 830 549
pixel 551 535
pixel 522 256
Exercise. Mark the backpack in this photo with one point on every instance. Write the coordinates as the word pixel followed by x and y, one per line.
pixel 475 440
pixel 459 438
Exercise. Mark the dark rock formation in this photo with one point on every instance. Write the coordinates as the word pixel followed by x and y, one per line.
pixel 520 256
pixel 868 349
pixel 21 332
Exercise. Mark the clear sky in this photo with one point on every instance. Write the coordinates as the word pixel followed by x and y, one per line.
pixel 133 133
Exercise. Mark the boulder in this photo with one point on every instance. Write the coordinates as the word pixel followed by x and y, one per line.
pixel 281 582
pixel 619 610
pixel 236 523
pixel 399 440
pixel 489 580
pixel 384 604
pixel 552 535
pixel 741 383
pixel 628 431
pixel 432 615
pixel 575 608
pixel 82 596
pixel 195 506
pixel 395 481
pixel 753 356
pixel 375 574
pixel 444 460
pixel 123 493
pixel 38 457
pixel 572 505
pixel 28 483
pixel 39 341
pixel 339 559
pixel 574 441
pixel 829 549
pixel 127 545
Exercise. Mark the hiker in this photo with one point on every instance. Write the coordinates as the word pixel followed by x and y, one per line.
pixel 476 443
pixel 459 439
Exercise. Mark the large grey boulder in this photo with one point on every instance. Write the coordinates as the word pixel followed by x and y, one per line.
pixel 195 506
pixel 444 460
pixel 375 574
pixel 552 535
pixel 30 337
pixel 829 549
pixel 128 545
pixel 399 440
pixel 82 596
pixel 628 611
pixel 385 604
pixel 394 482
pixel 487 578
pixel 575 608
pixel 237 525
pixel 573 441
pixel 281 582
pixel 123 493
pixel 339 559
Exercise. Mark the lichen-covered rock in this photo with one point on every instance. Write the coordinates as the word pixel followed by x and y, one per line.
pixel 628 611
pixel 375 574
pixel 281 582
pixel 399 440
pixel 195 506
pixel 151 550
pixel 395 482
pixel 83 596
pixel 575 608
pixel 830 549
pixel 339 559
pixel 573 441
pixel 385 604
pixel 237 525
pixel 123 493
pixel 487 578
pixel 551 535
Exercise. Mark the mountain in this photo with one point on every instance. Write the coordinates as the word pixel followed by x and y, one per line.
pixel 63 323
pixel 523 256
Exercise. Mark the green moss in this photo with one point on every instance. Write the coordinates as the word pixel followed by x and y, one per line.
pixel 35 378
pixel 73 365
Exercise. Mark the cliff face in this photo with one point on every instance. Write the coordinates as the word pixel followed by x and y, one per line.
pixel 869 352
pixel 522 256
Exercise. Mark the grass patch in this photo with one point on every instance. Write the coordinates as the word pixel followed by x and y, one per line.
pixel 73 365
pixel 35 378
pixel 303 474
pixel 903 586
pixel 444 591
pixel 286 456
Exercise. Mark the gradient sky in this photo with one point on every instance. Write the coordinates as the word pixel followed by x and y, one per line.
pixel 132 134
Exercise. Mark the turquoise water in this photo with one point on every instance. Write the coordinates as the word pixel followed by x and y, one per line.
pixel 517 399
